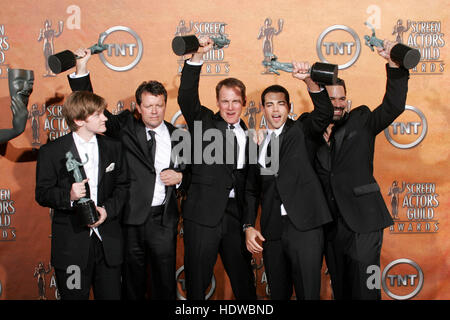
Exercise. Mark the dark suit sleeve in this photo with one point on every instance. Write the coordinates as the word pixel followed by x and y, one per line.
pixel 81 84
pixel 393 102
pixel 115 123
pixel 252 195
pixel 47 192
pixel 115 203
pixel 188 98
pixel 317 121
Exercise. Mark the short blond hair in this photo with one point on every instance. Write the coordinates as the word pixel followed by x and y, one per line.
pixel 80 105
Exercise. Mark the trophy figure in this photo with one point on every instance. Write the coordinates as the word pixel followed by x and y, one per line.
pixel 401 54
pixel 182 45
pixel 85 207
pixel 66 59
pixel 20 83
pixel 322 73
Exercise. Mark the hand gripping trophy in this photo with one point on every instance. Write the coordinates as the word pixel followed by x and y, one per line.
pixel 401 54
pixel 85 207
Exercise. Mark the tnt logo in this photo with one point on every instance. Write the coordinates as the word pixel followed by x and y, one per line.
pixel 408 130
pixel 181 285
pixel 125 48
pixel 340 45
pixel 402 279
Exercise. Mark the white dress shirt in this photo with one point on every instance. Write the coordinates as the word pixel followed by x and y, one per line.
pixel 162 160
pixel 242 140
pixel 91 167
pixel 262 155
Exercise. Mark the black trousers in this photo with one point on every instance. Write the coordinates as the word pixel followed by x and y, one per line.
pixel 295 260
pixel 105 280
pixel 201 246
pixel 348 254
pixel 150 248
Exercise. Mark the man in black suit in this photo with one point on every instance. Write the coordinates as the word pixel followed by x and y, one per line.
pixel 345 167
pixel 293 207
pixel 213 209
pixel 151 213
pixel 84 255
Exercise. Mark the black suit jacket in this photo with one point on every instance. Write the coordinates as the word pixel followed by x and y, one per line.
pixel 210 184
pixel 131 132
pixel 346 169
pixel 70 241
pixel 296 184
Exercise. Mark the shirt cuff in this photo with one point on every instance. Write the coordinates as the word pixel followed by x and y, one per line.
pixel 321 89
pixel 189 62
pixel 73 75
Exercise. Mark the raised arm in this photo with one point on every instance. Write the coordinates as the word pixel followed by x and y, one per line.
pixel 188 97
pixel 394 99
pixel 317 121
pixel 81 81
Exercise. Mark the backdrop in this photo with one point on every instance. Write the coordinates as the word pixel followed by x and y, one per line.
pixel 411 158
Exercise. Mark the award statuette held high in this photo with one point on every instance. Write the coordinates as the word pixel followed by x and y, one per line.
pixel 65 60
pixel 85 208
pixel 182 45
pixel 401 54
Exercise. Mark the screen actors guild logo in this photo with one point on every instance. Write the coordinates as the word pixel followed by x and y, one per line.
pixel 339 45
pixel 394 192
pixel 251 113
pixel 426 36
pixel 47 35
pixel 405 134
pixel 214 60
pixel 181 285
pixel 267 33
pixel 4 46
pixel 40 272
pixel 419 204
pixel 7 210
pixel 120 51
pixel 34 114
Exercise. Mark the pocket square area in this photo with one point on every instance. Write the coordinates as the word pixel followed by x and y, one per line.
pixel 110 167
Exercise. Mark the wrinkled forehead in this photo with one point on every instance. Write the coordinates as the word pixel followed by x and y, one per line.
pixel 335 91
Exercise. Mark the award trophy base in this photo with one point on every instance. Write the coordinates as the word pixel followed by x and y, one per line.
pixel 87 212
pixel 405 56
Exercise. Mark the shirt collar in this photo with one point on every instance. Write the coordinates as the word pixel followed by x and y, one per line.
pixel 236 125
pixel 81 141
pixel 277 131
pixel 159 130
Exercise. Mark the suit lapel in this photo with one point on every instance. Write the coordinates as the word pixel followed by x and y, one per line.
pixel 222 125
pixel 339 137
pixel 76 155
pixel 172 143
pixel 141 134
pixel 103 159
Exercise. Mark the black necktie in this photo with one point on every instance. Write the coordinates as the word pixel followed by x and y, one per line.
pixel 235 145
pixel 268 158
pixel 152 144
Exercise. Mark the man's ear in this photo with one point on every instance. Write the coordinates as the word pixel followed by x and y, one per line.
pixel 79 123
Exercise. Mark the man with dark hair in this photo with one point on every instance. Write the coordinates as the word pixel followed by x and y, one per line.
pixel 293 207
pixel 94 252
pixel 344 164
pixel 151 213
pixel 213 209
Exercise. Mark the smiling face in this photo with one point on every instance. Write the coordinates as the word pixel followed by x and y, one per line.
pixel 276 109
pixel 152 109
pixel 230 104
pixel 339 100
